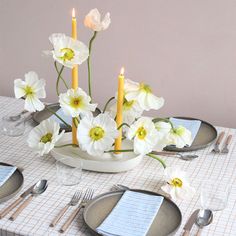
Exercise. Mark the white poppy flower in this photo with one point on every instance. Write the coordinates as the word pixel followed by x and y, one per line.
pixel 43 137
pixel 96 135
pixel 75 102
pixel 180 137
pixel 144 134
pixel 93 20
pixel 31 89
pixel 177 186
pixel 143 94
pixel 68 51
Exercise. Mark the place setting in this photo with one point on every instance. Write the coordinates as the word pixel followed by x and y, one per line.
pixel 88 154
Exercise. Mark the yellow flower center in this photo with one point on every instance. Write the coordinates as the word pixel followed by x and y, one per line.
pixel 128 104
pixel 46 138
pixel 176 182
pixel 29 90
pixel 145 88
pixel 96 133
pixel 179 131
pixel 68 54
pixel 76 102
pixel 141 133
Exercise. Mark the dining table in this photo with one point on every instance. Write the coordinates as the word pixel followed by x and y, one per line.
pixel 148 175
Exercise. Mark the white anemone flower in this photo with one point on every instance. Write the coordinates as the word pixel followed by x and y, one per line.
pixel 143 94
pixel 43 137
pixel 75 102
pixel 144 134
pixel 180 137
pixel 177 186
pixel 93 20
pixel 68 51
pixel 96 135
pixel 31 89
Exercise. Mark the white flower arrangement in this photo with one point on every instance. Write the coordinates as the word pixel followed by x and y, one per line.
pixel 96 135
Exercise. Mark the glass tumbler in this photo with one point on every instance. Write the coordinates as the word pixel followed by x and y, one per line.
pixel 214 195
pixel 12 127
pixel 69 171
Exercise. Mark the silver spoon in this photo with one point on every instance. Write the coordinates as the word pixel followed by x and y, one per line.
pixel 38 189
pixel 204 218
pixel 186 157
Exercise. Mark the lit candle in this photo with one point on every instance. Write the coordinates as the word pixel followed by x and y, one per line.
pixel 75 76
pixel 120 99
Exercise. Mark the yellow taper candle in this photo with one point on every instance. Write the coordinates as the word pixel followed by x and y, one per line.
pixel 119 116
pixel 75 76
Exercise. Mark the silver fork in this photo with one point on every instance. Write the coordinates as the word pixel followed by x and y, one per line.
pixel 225 148
pixel 87 197
pixel 74 200
pixel 216 148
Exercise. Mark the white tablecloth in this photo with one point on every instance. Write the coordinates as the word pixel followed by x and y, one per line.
pixel 35 219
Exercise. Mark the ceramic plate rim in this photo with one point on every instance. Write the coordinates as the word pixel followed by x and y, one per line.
pixel 6 198
pixel 135 190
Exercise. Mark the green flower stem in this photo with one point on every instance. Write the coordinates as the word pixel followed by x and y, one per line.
pixel 126 150
pixel 107 103
pixel 155 120
pixel 88 63
pixel 157 158
pixel 55 64
pixel 58 79
pixel 53 112
pixel 123 124
pixel 67 145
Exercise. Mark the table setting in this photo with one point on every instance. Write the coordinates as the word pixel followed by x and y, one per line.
pixel 76 167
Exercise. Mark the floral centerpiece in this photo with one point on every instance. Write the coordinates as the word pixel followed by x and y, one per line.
pixel 120 120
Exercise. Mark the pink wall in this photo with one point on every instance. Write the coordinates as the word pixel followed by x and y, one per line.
pixel 185 49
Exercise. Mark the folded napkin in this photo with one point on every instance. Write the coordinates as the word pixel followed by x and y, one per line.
pixel 192 125
pixel 60 113
pixel 5 173
pixel 133 215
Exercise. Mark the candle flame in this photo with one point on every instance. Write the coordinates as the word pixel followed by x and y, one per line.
pixel 122 71
pixel 73 12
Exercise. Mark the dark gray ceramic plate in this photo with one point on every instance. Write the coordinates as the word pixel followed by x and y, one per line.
pixel 206 135
pixel 12 185
pixel 166 222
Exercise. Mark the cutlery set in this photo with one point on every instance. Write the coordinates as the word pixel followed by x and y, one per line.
pixel 77 198
pixel 33 191
pixel 37 189
pixel 219 140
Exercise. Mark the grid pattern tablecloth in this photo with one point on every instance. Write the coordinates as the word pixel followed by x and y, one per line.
pixel 35 219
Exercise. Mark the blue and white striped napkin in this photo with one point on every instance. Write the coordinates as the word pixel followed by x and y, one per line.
pixel 5 173
pixel 192 125
pixel 133 215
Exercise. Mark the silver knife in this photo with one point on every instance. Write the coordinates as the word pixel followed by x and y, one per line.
pixel 189 224
pixel 5 211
